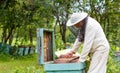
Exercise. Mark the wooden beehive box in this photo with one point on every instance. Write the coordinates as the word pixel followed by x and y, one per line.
pixel 116 55
pixel 45 47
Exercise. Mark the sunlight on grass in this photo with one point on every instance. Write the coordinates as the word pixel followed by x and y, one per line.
pixel 27 64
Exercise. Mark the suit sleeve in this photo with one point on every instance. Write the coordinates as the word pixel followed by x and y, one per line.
pixel 76 45
pixel 88 41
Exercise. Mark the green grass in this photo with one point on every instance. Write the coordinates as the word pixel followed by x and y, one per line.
pixel 26 64
pixel 29 64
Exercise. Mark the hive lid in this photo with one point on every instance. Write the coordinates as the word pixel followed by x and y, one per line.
pixel 45 45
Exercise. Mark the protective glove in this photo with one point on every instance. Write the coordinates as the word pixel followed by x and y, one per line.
pixel 67 55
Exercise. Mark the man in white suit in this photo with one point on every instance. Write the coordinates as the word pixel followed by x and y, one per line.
pixel 94 40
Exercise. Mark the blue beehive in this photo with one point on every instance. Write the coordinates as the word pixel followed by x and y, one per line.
pixel 45 47
pixel 5 48
pixel 116 56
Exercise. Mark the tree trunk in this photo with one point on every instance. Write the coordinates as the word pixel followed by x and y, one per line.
pixel 30 36
pixel 4 34
pixel 9 34
pixel 63 32
pixel 11 39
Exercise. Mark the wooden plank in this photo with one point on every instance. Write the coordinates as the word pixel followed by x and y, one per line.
pixel 72 72
pixel 53 39
pixel 48 46
pixel 50 72
pixel 26 51
pixel 38 44
pixel 57 72
pixel 45 45
pixel 42 46
pixel 31 51
pixel 65 66
pixel 68 72
pixel 20 51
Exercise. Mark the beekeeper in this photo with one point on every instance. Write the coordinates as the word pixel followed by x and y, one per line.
pixel 94 41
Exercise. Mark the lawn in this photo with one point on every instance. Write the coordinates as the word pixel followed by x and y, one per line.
pixel 29 64
pixel 16 64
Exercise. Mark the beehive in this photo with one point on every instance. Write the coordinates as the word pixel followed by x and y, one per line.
pixel 116 56
pixel 45 47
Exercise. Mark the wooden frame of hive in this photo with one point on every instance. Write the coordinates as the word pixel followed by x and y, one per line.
pixel 45 47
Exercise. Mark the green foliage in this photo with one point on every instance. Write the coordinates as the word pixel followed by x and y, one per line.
pixel 24 16
pixel 113 66
pixel 59 43
pixel 70 37
pixel 20 18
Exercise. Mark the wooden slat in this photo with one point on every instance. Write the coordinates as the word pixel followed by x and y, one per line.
pixel 50 72
pixel 45 45
pixel 72 71
pixel 58 72
pixel 26 51
pixel 65 66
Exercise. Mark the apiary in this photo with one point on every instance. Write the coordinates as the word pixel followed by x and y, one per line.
pixel 46 56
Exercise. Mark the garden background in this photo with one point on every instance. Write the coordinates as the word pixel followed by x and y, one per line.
pixel 19 20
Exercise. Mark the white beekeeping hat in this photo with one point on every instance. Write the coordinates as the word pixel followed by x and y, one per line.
pixel 75 18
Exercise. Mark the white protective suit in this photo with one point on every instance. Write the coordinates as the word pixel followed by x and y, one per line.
pixel 95 42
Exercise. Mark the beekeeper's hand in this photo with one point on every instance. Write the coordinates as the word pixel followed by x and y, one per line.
pixel 68 54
